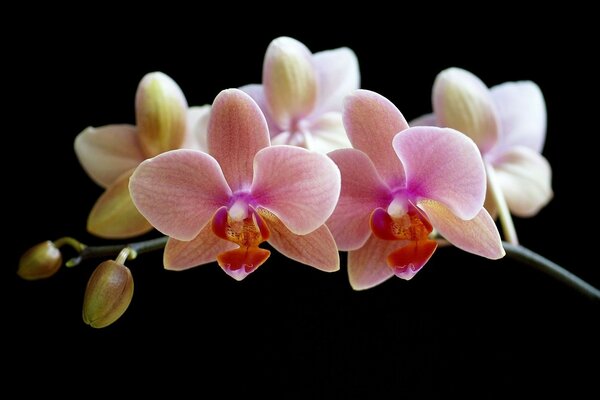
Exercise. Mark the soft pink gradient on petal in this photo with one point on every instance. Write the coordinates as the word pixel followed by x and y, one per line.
pixel 105 153
pixel 203 249
pixel 371 122
pixel 522 111
pixel 525 178
pixel 478 235
pixel 197 128
pixel 237 130
pixel 289 80
pixel 443 165
pixel 425 120
pixel 257 92
pixel 299 186
pixel 462 101
pixel 362 192
pixel 179 191
pixel 327 133
pixel 338 74
pixel 316 249
pixel 367 266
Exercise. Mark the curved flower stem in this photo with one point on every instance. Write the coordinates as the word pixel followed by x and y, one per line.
pixel 108 251
pixel 508 227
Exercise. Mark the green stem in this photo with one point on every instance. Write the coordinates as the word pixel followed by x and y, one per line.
pixel 114 250
pixel 508 227
pixel 69 241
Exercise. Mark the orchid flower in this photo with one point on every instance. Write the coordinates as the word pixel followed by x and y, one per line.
pixel 302 94
pixel 224 204
pixel 398 183
pixel 109 154
pixel 508 124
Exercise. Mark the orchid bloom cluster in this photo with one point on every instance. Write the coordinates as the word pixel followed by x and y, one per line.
pixel 313 165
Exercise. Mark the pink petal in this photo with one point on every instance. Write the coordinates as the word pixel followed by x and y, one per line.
pixel 371 123
pixel 179 191
pixel 462 101
pixel 522 113
pixel 362 192
pixel 443 165
pixel 197 128
pixel 478 235
pixel 114 215
pixel 367 266
pixel 203 249
pixel 327 133
pixel 299 186
pixel 237 130
pixel 525 178
pixel 316 249
pixel 161 114
pixel 425 120
pixel 257 92
pixel 290 81
pixel 339 75
pixel 107 152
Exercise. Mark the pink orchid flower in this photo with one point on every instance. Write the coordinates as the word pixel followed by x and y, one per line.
pixel 302 94
pixel 224 204
pixel 109 154
pixel 398 183
pixel 508 124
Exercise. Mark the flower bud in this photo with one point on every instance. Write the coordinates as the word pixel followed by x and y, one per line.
pixel 39 262
pixel 108 294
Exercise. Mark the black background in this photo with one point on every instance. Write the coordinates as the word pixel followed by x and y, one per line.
pixel 464 325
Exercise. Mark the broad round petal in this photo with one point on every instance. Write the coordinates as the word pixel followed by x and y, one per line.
pixel 425 120
pixel 443 165
pixel 161 114
pixel 290 80
pixel 316 249
pixel 362 192
pixel 300 187
pixel 478 235
pixel 371 122
pixel 105 153
pixel 462 101
pixel 367 266
pixel 179 191
pixel 237 130
pixel 339 75
pixel 203 249
pixel 197 128
pixel 525 178
pixel 522 112
pixel 114 215
pixel 327 133
pixel 257 92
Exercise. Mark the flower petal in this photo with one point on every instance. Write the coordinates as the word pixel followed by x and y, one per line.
pixel 478 235
pixel 367 266
pixel 522 112
pixel 290 81
pixel 316 249
pixel 114 215
pixel 462 101
pixel 327 134
pixel 179 191
pixel 237 130
pixel 161 114
pixel 339 75
pixel 362 192
pixel 425 120
pixel 443 165
pixel 525 178
pixel 203 249
pixel 257 92
pixel 371 122
pixel 299 186
pixel 107 152
pixel 197 128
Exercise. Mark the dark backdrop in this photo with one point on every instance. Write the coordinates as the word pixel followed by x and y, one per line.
pixel 464 325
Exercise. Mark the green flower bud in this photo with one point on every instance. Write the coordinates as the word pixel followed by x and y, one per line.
pixel 108 294
pixel 39 262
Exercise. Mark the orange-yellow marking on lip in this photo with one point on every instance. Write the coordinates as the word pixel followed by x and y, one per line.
pixel 248 233
pixel 414 228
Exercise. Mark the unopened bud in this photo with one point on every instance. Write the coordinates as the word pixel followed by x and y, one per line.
pixel 39 262
pixel 108 294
